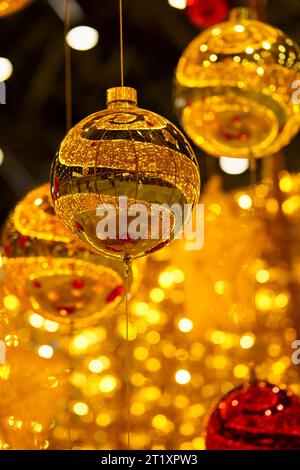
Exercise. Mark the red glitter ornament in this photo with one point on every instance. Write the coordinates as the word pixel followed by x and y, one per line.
pixel 204 13
pixel 115 293
pixel 255 416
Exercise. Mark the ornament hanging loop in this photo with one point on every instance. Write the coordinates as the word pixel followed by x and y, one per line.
pixel 121 42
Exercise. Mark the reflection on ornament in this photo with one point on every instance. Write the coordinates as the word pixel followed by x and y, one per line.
pixel 233 89
pixel 204 13
pixel 123 151
pixel 56 276
pixel 255 416
pixel 8 7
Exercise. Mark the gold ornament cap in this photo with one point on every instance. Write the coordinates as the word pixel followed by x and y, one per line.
pixel 121 93
pixel 242 13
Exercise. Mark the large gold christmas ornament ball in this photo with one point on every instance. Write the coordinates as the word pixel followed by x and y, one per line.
pixel 123 152
pixel 234 88
pixel 50 271
pixel 8 7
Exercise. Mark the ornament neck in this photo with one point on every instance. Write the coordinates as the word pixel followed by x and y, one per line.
pixel 121 96
pixel 242 13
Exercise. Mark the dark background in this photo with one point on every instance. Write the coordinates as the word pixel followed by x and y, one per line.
pixel 32 123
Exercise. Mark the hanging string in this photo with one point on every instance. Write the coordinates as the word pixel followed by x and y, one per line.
pixel 68 67
pixel 121 42
pixel 68 103
pixel 127 362
pixel 253 182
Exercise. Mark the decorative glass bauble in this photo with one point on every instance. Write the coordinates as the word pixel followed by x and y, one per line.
pixel 255 416
pixel 204 13
pixel 123 151
pixel 233 90
pixel 8 7
pixel 48 270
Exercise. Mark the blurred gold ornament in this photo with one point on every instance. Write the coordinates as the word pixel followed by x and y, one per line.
pixel 48 270
pixel 186 353
pixel 233 89
pixel 8 7
pixel 122 151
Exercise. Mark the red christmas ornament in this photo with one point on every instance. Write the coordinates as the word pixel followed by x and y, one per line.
pixel 255 416
pixel 204 13
pixel 115 293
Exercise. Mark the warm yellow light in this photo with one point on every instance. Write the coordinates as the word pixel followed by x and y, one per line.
pixel 182 376
pixel 107 384
pixel 239 28
pixel 181 401
pixel 141 353
pixel 103 419
pixel 11 340
pixel 241 371
pixel 36 427
pixel 6 69
pixel 272 206
pixel 216 32
pixel 179 4
pixel 1 156
pixel 266 45
pixel 247 341
pixel 249 50
pixel 199 443
pixel 213 57
pixel 137 409
pixel 4 373
pixel 96 366
pixel 281 300
pixel 260 71
pixel 153 364
pixel 203 47
pixel 165 279
pixel 157 295
pixel 245 201
pixel 286 183
pixel 132 333
pixel 141 308
pixel 51 326
pixel 45 351
pixel 159 421
pixel 195 411
pixel 278 367
pixel 233 166
pixel 78 379
pixel 80 408
pixel 80 342
pixel 38 201
pixel 263 299
pixel 36 320
pixel 219 362
pixel 153 337
pixel 185 325
pixel 262 276
pixel 291 204
pixel 178 276
pixel 153 316
pixel 218 337
pixel 82 38
pixel 220 287
pixel 11 302
pixel 187 429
